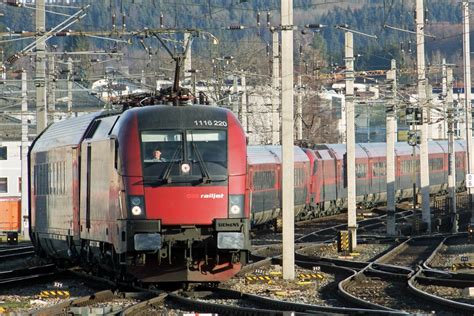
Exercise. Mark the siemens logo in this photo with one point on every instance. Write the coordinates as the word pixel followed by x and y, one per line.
pixel 228 225
pixel 211 196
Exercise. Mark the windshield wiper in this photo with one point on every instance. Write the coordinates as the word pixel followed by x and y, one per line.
pixel 206 177
pixel 166 174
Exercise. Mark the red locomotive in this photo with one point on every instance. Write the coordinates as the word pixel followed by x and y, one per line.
pixel 320 188
pixel 101 195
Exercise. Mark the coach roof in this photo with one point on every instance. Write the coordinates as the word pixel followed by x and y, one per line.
pixel 65 133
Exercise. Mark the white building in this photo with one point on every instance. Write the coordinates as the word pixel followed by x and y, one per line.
pixel 10 166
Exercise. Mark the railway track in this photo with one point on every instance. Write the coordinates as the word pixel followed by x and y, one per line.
pixel 16 252
pixel 383 284
pixel 27 275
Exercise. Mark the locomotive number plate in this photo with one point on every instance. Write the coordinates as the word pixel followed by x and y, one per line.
pixel 216 123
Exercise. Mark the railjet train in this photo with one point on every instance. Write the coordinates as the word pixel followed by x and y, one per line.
pixel 99 198
pixel 320 174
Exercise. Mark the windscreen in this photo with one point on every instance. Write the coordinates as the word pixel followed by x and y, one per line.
pixel 184 157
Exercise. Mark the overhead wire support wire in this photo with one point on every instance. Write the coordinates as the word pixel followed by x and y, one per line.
pixel 16 39
pixel 345 27
pixel 406 31
pixel 106 38
pixel 58 28
pixel 47 11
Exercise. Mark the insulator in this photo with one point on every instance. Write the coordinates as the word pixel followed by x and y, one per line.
pixel 161 20
pixel 268 49
pixel 258 18
pixel 113 21
pixel 268 18
pixel 123 21
pixel 313 26
pixel 301 50
pixel 235 27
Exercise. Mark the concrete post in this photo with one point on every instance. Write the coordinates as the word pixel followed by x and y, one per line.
pixel 391 138
pixel 287 132
pixel 275 89
pixel 235 91
pixel 451 152
pixel 424 162
pixel 244 104
pixel 187 61
pixel 69 87
pixel 299 113
pixel 24 157
pixel 52 89
pixel 350 140
pixel 41 111
pixel 467 98
pixel 443 132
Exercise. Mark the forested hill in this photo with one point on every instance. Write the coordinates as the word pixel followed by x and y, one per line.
pixel 369 16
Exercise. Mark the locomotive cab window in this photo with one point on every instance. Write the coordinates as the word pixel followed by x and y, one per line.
pixel 210 147
pixel 185 157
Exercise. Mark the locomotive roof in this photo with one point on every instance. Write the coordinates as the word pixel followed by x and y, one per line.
pixel 271 154
pixel 63 133
pixel 168 116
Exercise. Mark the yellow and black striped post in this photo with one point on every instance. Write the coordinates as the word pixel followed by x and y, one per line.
pixel 343 241
pixel 54 294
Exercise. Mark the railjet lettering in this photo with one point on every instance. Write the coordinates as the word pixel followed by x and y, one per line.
pixel 212 196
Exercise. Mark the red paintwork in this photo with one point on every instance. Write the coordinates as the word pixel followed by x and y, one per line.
pixel 237 149
pixel 313 180
pixel 186 205
pixel 129 149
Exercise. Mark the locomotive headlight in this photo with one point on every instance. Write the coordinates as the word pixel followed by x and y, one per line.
pixel 236 206
pixel 235 209
pixel 136 210
pixel 136 205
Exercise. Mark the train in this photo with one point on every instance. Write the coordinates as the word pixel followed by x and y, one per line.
pixel 320 178
pixel 99 199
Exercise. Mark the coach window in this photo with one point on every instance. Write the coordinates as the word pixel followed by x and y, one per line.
pixel 378 169
pixel 361 170
pixel 3 153
pixel 436 164
pixel 3 185
pixel 459 161
pixel 264 180
pixel 299 177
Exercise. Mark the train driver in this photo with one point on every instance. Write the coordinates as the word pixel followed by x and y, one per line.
pixel 157 156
